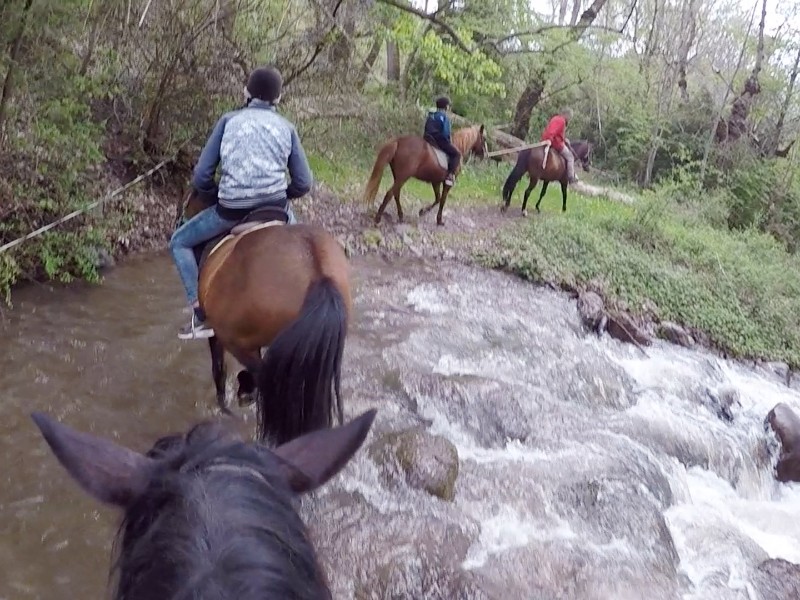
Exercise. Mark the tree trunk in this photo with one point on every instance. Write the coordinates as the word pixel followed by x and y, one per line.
pixel 8 82
pixel 369 61
pixel 341 50
pixel 527 102
pixel 740 110
pixel 652 40
pixel 562 11
pixel 772 150
pixel 576 11
pixel 532 93
pixel 392 61
pixel 688 31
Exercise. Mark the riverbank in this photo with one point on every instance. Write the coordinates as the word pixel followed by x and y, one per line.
pixel 736 293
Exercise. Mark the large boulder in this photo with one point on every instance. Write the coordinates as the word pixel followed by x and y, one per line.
pixel 428 462
pixel 591 310
pixel 786 424
pixel 674 333
pixel 777 579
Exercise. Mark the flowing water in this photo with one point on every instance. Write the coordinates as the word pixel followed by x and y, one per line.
pixel 587 470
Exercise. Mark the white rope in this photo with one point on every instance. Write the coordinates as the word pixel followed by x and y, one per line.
pixel 517 149
pixel 80 211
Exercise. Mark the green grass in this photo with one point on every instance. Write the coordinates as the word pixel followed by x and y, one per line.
pixel 739 288
pixel 742 289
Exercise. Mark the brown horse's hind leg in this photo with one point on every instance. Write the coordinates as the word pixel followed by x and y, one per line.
pixel 437 194
pixel 219 372
pixel 393 191
pixel 399 208
pixel 382 207
pixel 442 200
pixel 563 196
pixel 528 191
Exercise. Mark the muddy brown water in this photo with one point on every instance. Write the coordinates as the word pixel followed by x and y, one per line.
pixel 587 470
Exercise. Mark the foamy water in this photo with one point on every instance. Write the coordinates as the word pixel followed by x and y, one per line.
pixel 587 470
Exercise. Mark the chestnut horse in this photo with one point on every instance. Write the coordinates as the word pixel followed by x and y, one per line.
pixel 207 514
pixel 411 156
pixel 285 288
pixel 533 160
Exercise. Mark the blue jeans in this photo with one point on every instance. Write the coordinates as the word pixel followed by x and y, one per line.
pixel 202 227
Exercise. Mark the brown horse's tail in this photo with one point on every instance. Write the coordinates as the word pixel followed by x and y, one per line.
pixel 516 174
pixel 300 379
pixel 385 156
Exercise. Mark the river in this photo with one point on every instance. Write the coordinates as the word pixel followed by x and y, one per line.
pixel 587 470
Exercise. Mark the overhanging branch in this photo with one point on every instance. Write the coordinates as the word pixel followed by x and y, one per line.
pixel 433 18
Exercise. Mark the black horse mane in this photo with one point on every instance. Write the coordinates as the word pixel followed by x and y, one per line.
pixel 217 521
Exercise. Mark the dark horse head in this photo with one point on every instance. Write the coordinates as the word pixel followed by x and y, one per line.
pixel 208 516
pixel 582 149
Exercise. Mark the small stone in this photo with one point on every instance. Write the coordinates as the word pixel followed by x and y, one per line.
pixel 675 334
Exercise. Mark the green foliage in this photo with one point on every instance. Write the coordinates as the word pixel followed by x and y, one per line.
pixel 732 286
pixel 442 64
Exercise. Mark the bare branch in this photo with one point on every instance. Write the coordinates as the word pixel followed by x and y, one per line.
pixel 433 18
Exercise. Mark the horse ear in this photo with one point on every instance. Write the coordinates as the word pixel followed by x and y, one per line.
pixel 312 459
pixel 108 472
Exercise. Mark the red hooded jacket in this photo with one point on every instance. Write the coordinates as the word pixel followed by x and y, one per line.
pixel 555 132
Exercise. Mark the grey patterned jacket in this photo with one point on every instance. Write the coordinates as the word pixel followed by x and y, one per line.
pixel 253 147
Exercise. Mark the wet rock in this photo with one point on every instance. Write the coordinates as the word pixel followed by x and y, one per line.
pixel 786 424
pixel 723 401
pixel 591 310
pixel 374 555
pixel 609 508
pixel 777 579
pixel 429 462
pixel 567 570
pixel 622 327
pixel 675 334
pixel 102 258
pixel 781 369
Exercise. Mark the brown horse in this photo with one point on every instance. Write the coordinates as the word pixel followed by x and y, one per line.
pixel 285 288
pixel 532 161
pixel 411 156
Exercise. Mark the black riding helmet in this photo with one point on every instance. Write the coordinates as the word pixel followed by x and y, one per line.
pixel 442 102
pixel 265 83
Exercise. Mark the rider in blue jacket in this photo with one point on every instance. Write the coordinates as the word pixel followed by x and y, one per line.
pixel 437 133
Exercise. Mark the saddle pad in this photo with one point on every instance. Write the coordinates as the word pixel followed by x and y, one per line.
pixel 244 233
pixel 441 157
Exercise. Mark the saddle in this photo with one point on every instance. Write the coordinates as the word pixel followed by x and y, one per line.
pixel 440 156
pixel 266 216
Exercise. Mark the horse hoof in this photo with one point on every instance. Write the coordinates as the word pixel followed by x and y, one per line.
pixel 421 212
pixel 503 208
pixel 440 223
pixel 537 210
pixel 525 213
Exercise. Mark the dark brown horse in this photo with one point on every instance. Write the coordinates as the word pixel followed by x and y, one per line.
pixel 285 288
pixel 206 514
pixel 532 162
pixel 411 156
